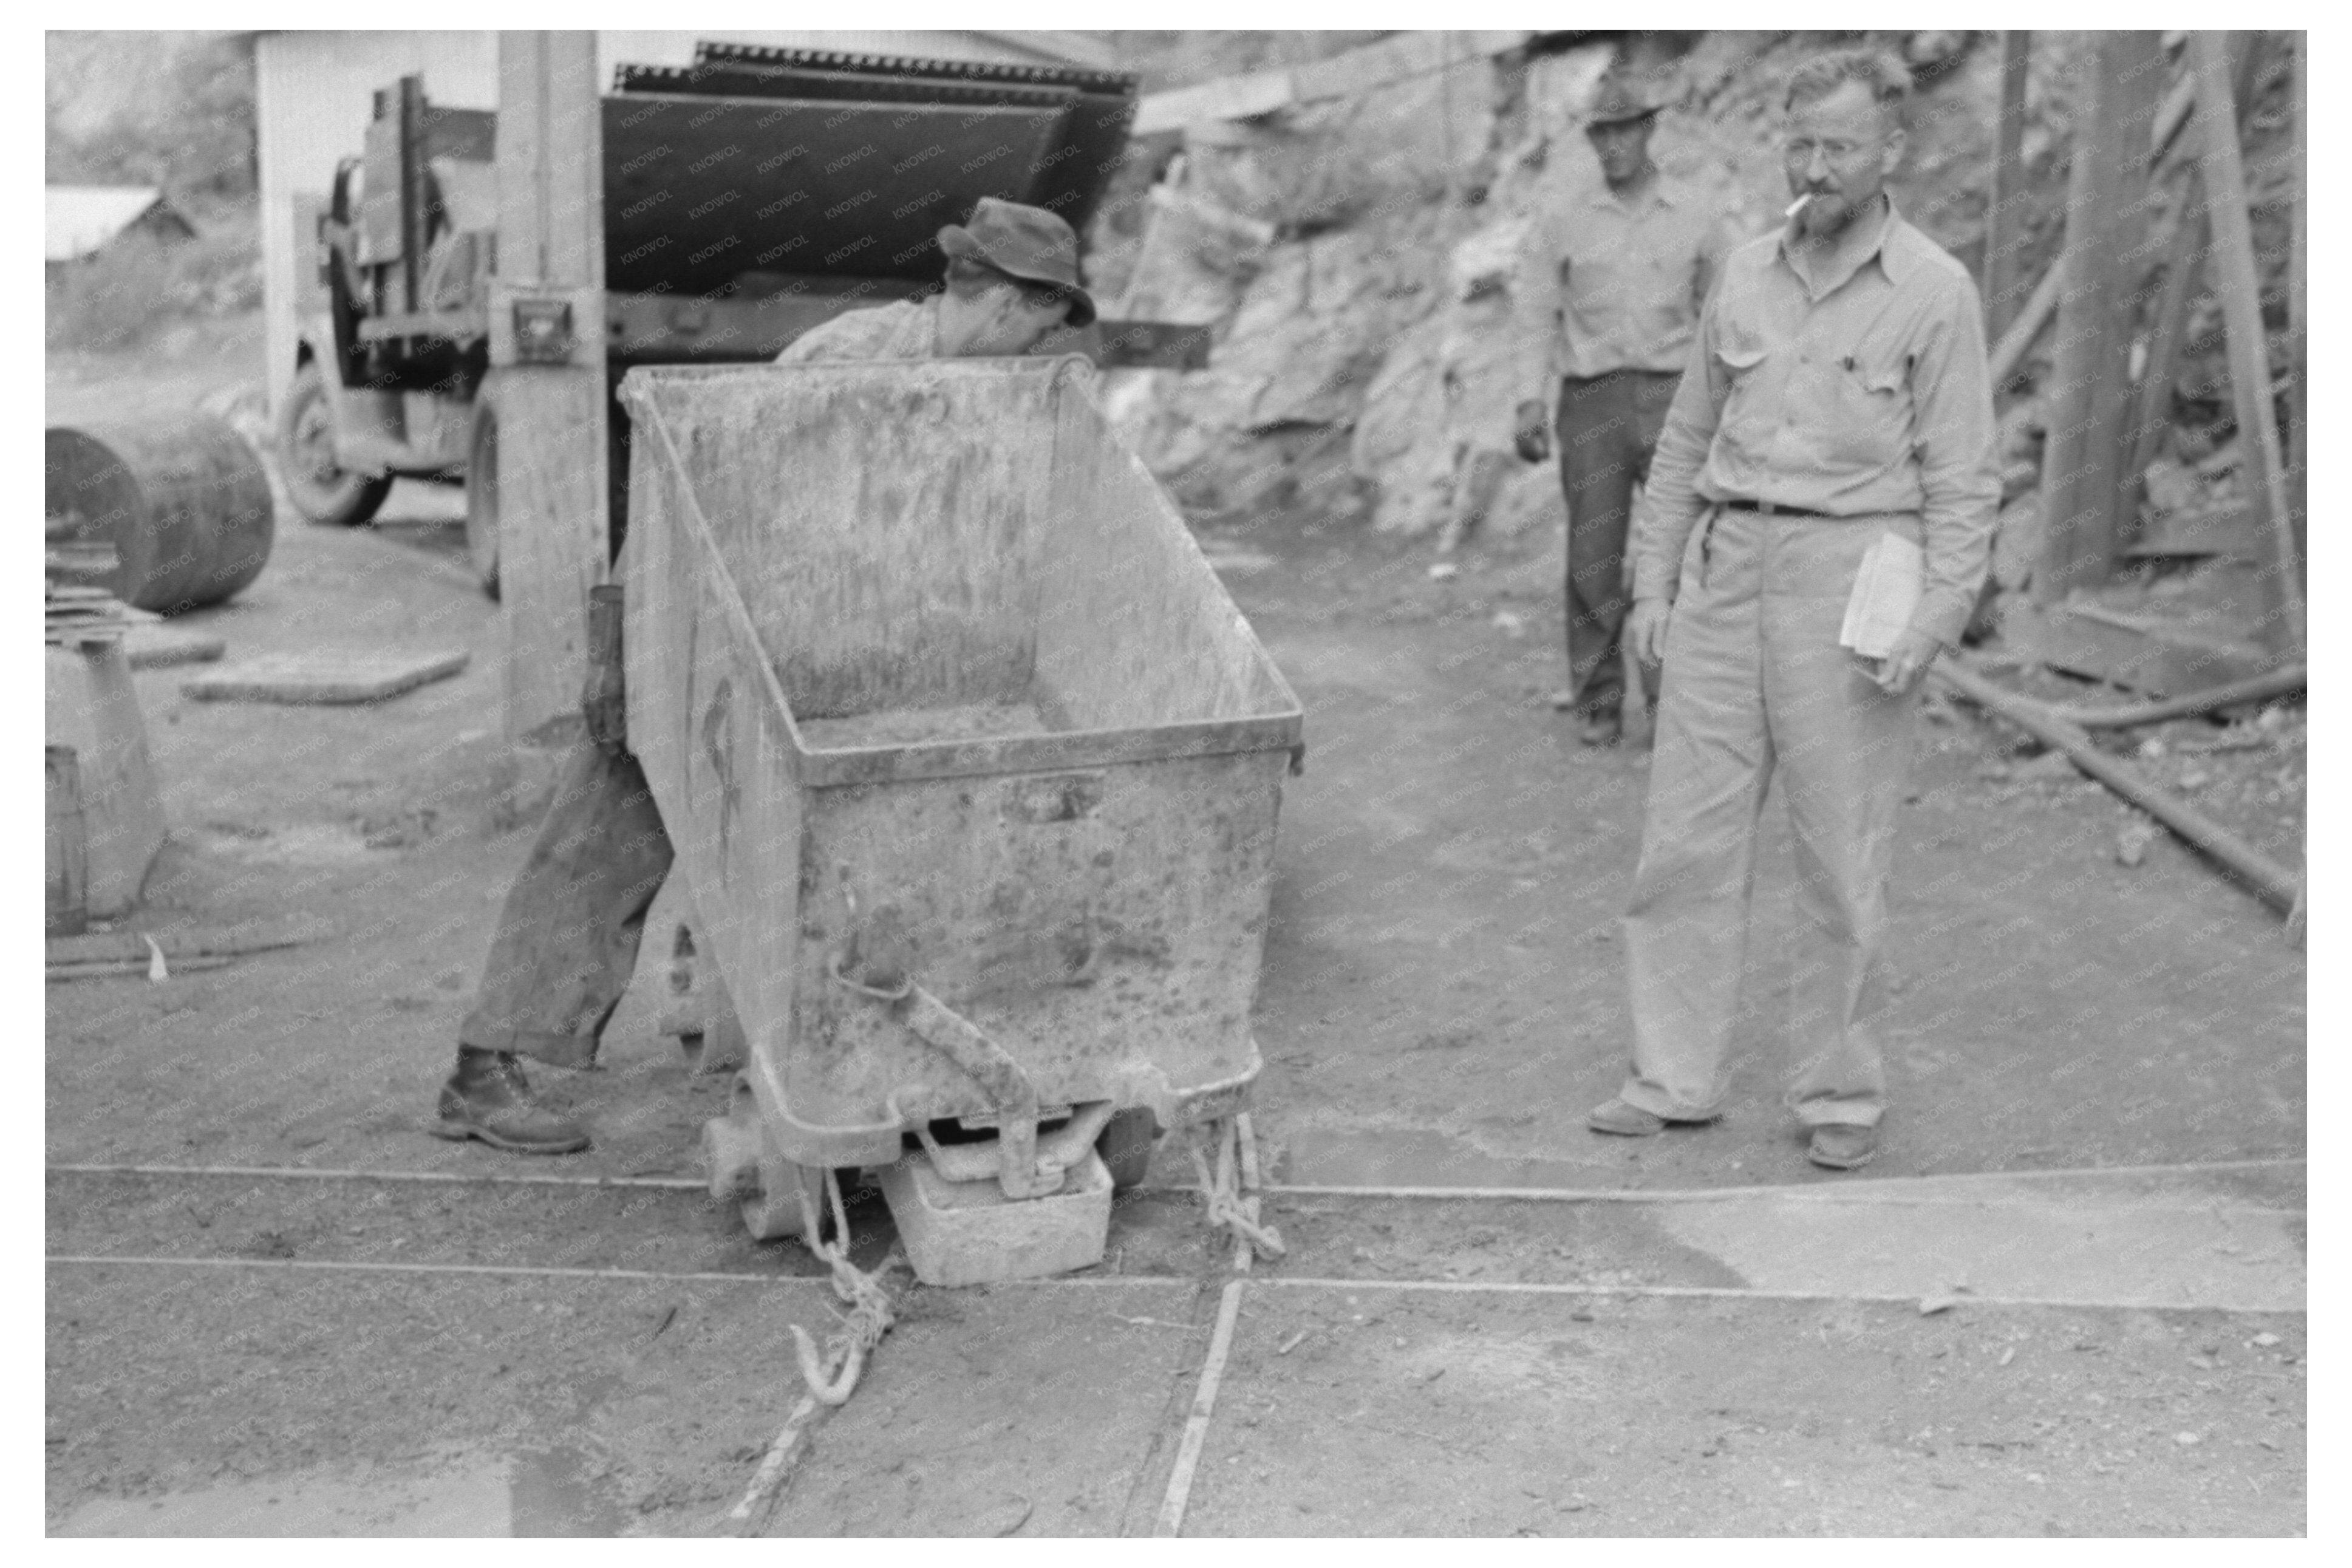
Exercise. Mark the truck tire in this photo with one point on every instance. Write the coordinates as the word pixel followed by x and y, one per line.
pixel 306 458
pixel 482 495
pixel 1126 1146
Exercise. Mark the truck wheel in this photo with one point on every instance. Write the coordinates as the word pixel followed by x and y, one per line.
pixel 482 497
pixel 306 457
pixel 1126 1146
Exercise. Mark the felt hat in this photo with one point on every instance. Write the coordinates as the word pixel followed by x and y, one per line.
pixel 1024 242
pixel 1621 101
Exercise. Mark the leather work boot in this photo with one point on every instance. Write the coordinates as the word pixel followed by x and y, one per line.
pixel 488 1098
pixel 1840 1146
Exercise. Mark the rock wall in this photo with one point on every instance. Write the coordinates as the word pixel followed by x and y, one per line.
pixel 1356 259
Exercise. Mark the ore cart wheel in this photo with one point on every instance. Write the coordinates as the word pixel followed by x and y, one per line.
pixel 774 1214
pixel 1126 1146
pixel 482 497
pixel 767 1191
pixel 306 455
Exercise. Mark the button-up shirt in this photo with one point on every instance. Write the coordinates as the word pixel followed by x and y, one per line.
pixel 1608 284
pixel 1860 393
pixel 906 328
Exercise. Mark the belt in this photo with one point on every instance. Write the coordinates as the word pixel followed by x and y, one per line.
pixel 1772 509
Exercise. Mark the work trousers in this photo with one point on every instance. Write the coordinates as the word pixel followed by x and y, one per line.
pixel 567 936
pixel 1756 684
pixel 1608 426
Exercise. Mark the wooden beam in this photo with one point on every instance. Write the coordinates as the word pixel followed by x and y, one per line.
pixel 2005 219
pixel 2264 877
pixel 2008 354
pixel 1342 76
pixel 2169 327
pixel 2239 285
pixel 2298 450
pixel 551 412
pixel 2091 378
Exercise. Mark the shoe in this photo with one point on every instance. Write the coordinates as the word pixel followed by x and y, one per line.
pixel 1624 1120
pixel 1840 1146
pixel 495 1104
pixel 1598 730
pixel 1564 700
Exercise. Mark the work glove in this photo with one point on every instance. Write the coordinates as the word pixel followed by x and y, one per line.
pixel 602 700
pixel 1532 440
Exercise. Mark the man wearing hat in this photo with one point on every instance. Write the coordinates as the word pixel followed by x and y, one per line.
pixel 567 939
pixel 1012 276
pixel 1610 290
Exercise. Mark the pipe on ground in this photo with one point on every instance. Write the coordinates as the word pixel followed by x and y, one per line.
pixel 2270 881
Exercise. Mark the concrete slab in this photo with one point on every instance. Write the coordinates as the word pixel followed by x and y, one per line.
pixel 1372 1412
pixel 2130 1254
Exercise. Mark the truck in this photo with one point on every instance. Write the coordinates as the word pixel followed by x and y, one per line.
pixel 746 198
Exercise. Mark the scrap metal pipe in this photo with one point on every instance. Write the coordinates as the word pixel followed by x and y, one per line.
pixel 2272 883
pixel 2277 682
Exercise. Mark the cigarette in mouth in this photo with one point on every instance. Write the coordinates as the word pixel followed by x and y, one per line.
pixel 1796 206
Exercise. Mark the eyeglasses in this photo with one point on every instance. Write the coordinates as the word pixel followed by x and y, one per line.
pixel 1833 151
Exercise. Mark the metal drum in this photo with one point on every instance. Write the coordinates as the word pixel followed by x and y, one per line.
pixel 184 502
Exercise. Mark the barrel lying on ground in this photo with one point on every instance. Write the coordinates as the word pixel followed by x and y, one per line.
pixel 185 503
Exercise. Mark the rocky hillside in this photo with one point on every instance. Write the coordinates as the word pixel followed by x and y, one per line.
pixel 1355 258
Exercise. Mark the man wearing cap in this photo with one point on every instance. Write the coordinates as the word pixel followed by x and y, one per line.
pixel 567 939
pixel 1610 290
pixel 1837 393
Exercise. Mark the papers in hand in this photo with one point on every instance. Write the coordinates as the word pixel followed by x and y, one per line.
pixel 1886 589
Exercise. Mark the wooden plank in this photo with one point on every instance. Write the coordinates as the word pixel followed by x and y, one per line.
pixel 2192 227
pixel 65 847
pixel 458 326
pixel 264 935
pixel 324 677
pixel 2239 284
pixel 2298 453
pixel 159 648
pixel 2142 653
pixel 2272 883
pixel 553 492
pixel 2209 530
pixel 1342 76
pixel 1227 98
pixel 91 705
pixel 2106 224
pixel 2007 355
pixel 2005 216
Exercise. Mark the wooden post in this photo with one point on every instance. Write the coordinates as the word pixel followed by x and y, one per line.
pixel 2238 283
pixel 2192 231
pixel 2298 449
pixel 2106 234
pixel 546 386
pixel 2005 219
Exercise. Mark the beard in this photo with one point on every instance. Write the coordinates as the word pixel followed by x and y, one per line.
pixel 1826 214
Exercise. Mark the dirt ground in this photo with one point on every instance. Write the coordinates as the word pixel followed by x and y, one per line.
pixel 1442 1000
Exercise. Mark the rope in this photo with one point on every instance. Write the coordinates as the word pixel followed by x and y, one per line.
pixel 1220 1194
pixel 832 1377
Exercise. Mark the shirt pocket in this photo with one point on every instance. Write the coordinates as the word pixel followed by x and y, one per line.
pixel 1748 422
pixel 1871 404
